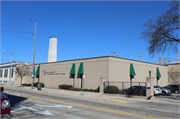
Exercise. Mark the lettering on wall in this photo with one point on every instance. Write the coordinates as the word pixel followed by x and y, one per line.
pixel 52 73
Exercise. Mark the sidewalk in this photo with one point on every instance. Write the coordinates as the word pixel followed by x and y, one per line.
pixel 93 95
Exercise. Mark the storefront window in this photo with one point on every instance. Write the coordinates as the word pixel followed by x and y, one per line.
pixel 5 73
pixel 1 73
pixel 11 73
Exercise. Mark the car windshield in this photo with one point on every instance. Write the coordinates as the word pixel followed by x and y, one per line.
pixel 168 86
pixel 132 87
pixel 158 87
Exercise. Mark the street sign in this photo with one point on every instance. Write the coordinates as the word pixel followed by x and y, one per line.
pixel 148 85
pixel 32 75
pixel 83 76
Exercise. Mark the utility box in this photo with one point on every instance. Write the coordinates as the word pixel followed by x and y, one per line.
pixel 39 86
pixel 101 88
pixel 150 87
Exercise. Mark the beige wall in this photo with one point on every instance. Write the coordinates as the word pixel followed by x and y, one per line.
pixel 114 69
pixel 93 70
pixel 119 71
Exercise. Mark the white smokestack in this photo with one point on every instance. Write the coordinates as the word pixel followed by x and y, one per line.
pixel 52 56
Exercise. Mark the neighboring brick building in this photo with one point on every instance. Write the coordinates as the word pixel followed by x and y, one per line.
pixel 5 72
pixel 174 73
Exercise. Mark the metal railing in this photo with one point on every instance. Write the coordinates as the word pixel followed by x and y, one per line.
pixel 124 85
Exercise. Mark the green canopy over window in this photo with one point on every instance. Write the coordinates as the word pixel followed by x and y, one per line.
pixel 37 71
pixel 132 72
pixel 73 69
pixel 34 71
pixel 158 74
pixel 81 69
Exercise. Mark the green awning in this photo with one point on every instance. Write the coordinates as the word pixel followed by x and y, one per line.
pixel 34 71
pixel 37 71
pixel 81 69
pixel 73 69
pixel 132 72
pixel 158 74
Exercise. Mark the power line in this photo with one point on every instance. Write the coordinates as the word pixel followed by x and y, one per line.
pixel 131 53
pixel 86 47
pixel 61 43
pixel 78 46
pixel 16 32
pixel 41 55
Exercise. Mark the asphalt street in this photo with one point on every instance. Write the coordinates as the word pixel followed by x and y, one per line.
pixel 31 104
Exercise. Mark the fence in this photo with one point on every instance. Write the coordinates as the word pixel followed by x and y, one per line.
pixel 123 85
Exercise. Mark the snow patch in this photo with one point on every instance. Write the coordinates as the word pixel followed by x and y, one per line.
pixel 67 106
pixel 36 111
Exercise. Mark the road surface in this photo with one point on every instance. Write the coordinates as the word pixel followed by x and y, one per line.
pixel 33 104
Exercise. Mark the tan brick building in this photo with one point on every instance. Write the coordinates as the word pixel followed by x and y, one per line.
pixel 112 68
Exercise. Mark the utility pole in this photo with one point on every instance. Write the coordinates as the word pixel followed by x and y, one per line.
pixel 114 53
pixel 11 69
pixel 179 57
pixel 33 57
pixel 176 56
pixel 141 56
pixel 2 57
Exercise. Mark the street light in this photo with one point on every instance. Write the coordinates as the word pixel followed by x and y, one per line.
pixel 11 65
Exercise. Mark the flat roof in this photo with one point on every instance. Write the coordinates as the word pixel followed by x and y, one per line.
pixel 14 62
pixel 100 57
pixel 173 64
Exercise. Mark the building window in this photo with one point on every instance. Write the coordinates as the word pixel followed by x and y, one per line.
pixel 5 73
pixel 11 71
pixel 0 81
pixel 5 81
pixel 1 73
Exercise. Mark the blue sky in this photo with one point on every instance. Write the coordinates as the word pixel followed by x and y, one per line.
pixel 84 29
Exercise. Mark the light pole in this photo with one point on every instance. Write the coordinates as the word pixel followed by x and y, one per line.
pixel 11 65
pixel 33 57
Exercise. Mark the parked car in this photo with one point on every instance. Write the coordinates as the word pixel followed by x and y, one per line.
pixel 5 105
pixel 135 88
pixel 174 88
pixel 157 91
pixel 164 91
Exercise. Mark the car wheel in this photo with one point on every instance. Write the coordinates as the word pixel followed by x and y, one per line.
pixel 176 91
pixel 163 93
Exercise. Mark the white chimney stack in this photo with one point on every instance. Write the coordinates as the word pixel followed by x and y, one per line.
pixel 52 56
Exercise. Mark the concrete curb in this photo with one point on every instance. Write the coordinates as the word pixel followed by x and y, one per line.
pixel 91 95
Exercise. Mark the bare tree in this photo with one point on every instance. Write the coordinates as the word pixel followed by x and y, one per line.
pixel 23 71
pixel 162 33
